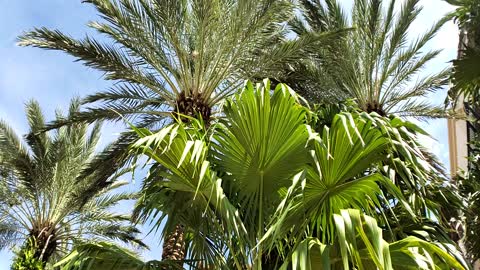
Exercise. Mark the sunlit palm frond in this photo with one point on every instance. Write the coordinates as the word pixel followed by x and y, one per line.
pixel 96 256
pixel 342 174
pixel 359 243
pixel 261 146
pixel 187 191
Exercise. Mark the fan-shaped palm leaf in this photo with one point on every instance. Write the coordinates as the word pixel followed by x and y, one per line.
pixel 359 244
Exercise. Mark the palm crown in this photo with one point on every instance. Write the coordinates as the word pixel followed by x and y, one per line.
pixel 46 198
pixel 375 63
pixel 182 56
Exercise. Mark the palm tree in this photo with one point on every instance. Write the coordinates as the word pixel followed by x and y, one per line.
pixel 172 58
pixel 263 189
pixel 377 66
pixel 375 63
pixel 46 202
pixel 181 56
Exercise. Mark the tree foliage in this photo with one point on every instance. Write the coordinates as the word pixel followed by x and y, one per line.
pixel 261 188
pixel 25 258
pixel 466 75
pixel 375 62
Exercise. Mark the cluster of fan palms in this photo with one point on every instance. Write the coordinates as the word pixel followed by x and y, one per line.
pixel 242 175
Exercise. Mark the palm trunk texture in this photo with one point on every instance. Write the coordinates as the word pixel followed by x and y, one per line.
pixel 174 246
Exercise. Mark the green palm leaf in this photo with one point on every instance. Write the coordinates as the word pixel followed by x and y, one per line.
pixel 359 244
pixel 187 190
pixel 106 256
pixel 261 146
pixel 374 62
pixel 341 174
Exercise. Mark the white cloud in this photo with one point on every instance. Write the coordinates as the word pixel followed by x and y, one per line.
pixel 437 142
pixel 437 148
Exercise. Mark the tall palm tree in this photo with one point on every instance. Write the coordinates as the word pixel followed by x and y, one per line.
pixel 45 201
pixel 175 58
pixel 375 63
pixel 264 190
pixel 182 56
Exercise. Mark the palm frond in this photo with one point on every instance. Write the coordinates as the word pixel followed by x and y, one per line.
pixel 466 77
pixel 14 154
pixel 257 168
pixel 359 243
pixel 106 256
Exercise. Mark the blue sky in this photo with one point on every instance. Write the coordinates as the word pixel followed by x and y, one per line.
pixel 53 78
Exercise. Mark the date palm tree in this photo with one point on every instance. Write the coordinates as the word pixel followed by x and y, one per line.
pixel 375 63
pixel 266 187
pixel 45 200
pixel 175 58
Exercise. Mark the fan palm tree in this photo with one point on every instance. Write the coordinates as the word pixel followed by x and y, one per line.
pixel 375 63
pixel 263 189
pixel 175 58
pixel 45 201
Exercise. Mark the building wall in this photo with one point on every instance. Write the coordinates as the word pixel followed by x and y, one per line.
pixel 457 142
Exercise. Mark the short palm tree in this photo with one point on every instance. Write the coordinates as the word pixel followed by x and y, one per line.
pixel 263 189
pixel 45 200
pixel 375 63
pixel 175 58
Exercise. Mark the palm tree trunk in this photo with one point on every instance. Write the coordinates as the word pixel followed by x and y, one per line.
pixel 174 245
pixel 42 239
